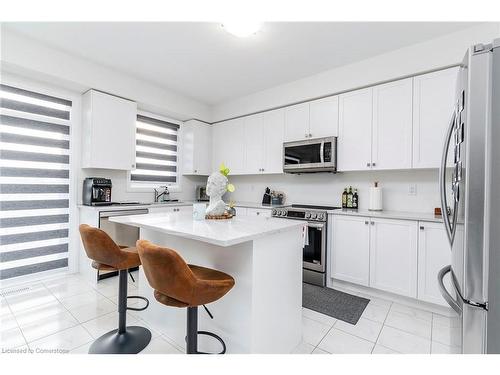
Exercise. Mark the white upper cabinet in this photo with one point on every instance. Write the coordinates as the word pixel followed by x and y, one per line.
pixel 228 145
pixel 297 122
pixel 355 127
pixel 274 123
pixel 315 119
pixel 433 100
pixel 434 253
pixel 392 125
pixel 254 144
pixel 350 259
pixel 263 142
pixel 196 148
pixel 108 131
pixel 324 117
pixel 393 256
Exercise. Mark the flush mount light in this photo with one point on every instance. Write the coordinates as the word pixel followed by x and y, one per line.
pixel 241 29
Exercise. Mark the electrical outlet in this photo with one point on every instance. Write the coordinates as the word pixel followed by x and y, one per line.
pixel 412 189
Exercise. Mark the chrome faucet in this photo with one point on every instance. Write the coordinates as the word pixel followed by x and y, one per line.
pixel 165 194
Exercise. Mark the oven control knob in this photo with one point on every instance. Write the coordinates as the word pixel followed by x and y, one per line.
pixel 274 211
pixel 313 216
pixel 308 215
pixel 283 213
pixel 321 216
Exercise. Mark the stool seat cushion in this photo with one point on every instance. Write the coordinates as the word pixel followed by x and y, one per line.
pixel 178 284
pixel 105 253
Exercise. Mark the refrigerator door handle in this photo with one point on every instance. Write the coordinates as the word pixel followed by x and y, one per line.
pixel 450 229
pixel 446 295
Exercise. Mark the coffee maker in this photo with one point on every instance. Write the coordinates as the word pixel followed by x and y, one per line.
pixel 96 191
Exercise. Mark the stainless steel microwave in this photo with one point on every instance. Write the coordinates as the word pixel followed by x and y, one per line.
pixel 311 155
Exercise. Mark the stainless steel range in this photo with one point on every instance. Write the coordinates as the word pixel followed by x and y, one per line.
pixel 314 260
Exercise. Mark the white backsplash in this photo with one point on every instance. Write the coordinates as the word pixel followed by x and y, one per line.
pixel 326 188
pixel 119 191
pixel 315 188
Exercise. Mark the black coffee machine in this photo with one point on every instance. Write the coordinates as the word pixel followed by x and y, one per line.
pixel 96 191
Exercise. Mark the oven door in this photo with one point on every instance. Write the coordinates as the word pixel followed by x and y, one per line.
pixel 314 250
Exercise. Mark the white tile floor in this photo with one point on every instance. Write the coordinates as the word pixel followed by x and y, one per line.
pixel 68 313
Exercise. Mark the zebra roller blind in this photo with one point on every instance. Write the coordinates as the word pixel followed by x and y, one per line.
pixel 34 182
pixel 156 153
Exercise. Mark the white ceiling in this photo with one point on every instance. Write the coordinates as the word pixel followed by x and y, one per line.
pixel 202 61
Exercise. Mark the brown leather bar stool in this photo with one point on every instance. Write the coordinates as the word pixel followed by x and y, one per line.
pixel 106 255
pixel 179 284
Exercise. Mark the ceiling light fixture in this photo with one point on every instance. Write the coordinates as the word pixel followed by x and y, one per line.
pixel 242 29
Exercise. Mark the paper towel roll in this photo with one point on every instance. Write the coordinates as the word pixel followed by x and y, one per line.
pixel 375 198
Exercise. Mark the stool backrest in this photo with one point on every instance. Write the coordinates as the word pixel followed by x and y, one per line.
pixel 166 271
pixel 99 246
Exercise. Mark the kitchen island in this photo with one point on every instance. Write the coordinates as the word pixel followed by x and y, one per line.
pixel 262 313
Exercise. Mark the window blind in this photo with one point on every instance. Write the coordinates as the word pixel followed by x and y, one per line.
pixel 156 153
pixel 34 182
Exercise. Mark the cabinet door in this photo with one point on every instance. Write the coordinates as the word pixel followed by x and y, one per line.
pixel 392 125
pixel 202 149
pixel 218 145
pixel 110 130
pixel 241 211
pixel 324 117
pixel 258 212
pixel 196 148
pixel 355 131
pixel 254 144
pixel 393 256
pixel 229 145
pixel 433 254
pixel 297 122
pixel 274 122
pixel 350 258
pixel 433 100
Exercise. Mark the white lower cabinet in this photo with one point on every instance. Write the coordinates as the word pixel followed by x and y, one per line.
pixel 350 259
pixel 398 256
pixel 258 212
pixel 393 256
pixel 433 254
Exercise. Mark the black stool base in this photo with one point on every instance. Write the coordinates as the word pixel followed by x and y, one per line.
pixel 192 333
pixel 132 341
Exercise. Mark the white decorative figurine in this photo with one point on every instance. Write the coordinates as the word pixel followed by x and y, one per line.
pixel 217 185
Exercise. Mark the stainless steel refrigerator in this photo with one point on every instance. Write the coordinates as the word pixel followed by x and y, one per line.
pixel 471 188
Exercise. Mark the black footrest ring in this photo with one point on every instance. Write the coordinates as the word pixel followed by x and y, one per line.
pixel 215 337
pixel 139 308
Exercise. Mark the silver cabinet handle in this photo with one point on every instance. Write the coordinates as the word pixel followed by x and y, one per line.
pixel 262 169
pixel 446 295
pixel 372 223
pixel 310 135
pixel 368 164
pixel 306 135
pixel 133 165
pixel 366 222
pixel 321 151
pixel 422 228
pixel 450 229
pixel 373 164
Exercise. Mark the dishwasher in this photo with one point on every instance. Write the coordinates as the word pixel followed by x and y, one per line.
pixel 124 235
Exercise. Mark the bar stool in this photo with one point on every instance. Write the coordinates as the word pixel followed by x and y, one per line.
pixel 179 284
pixel 106 255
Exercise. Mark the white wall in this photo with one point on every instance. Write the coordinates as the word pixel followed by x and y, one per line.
pixel 436 53
pixel 326 188
pixel 32 59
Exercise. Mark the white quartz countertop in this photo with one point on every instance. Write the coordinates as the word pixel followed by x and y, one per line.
pixel 217 232
pixel 400 215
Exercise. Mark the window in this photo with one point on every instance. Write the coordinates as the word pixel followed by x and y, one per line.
pixel 156 153
pixel 34 182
